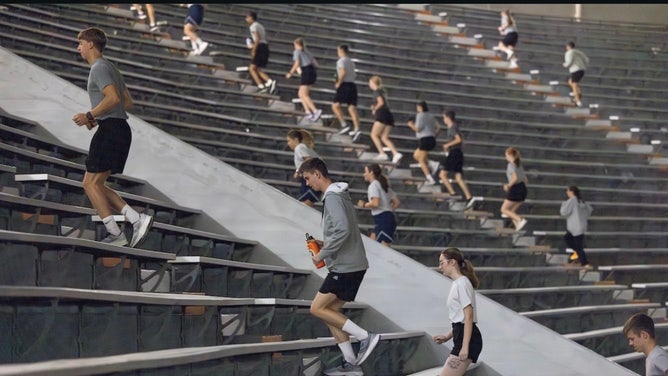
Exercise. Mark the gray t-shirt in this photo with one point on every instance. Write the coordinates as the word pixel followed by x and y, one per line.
pixel 452 132
pixel 259 29
pixel 347 64
pixel 104 73
pixel 656 363
pixel 303 152
pixel 305 57
pixel 376 190
pixel 518 170
pixel 425 125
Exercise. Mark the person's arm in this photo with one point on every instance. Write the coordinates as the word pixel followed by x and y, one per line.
pixel 339 76
pixel 455 141
pixel 513 181
pixel 394 202
pixel 374 203
pixel 294 67
pixel 568 59
pixel 443 338
pixel 256 42
pixel 411 125
pixel 379 103
pixel 566 208
pixel 127 99
pixel 338 227
pixel 468 332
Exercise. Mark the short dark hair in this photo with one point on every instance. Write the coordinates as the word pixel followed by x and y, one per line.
pixel 639 322
pixel 94 35
pixel 313 165
pixel 571 44
pixel 344 47
pixel 450 114
pixel 252 15
pixel 424 106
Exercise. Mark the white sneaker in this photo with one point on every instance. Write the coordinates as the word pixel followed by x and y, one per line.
pixel 430 180
pixel 513 64
pixel 397 157
pixel 470 203
pixel 272 87
pixel 140 229
pixel 510 55
pixel 521 225
pixel 118 240
pixel 381 157
pixel 202 47
pixel 578 103
pixel 346 368
pixel 344 128
pixel 316 115
pixel 433 167
pixel 366 347
pixel 356 135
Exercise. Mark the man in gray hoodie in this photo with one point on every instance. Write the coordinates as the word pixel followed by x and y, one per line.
pixel 345 257
pixel 576 62
pixel 576 211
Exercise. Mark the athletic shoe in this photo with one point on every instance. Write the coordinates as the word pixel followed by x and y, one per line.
pixel 155 28
pixel 380 157
pixel 366 347
pixel 356 135
pixel 316 115
pixel 141 15
pixel 119 240
pixel 193 53
pixel 469 203
pixel 262 90
pixel 140 229
pixel 578 103
pixel 430 180
pixel 202 47
pixel 513 64
pixel 344 128
pixel 272 87
pixel 433 167
pixel 510 55
pixel 397 157
pixel 521 225
pixel 344 369
pixel 574 257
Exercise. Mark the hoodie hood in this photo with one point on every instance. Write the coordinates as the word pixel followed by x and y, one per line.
pixel 338 187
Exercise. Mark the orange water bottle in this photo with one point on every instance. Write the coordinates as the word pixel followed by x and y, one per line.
pixel 314 248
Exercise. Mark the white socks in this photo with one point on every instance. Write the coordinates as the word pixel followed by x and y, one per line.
pixel 352 328
pixel 130 214
pixel 111 225
pixel 348 353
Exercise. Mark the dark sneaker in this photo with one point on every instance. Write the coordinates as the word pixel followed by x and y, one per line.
pixel 366 347
pixel 140 229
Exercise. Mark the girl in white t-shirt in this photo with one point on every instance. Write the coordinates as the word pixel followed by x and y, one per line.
pixel 301 142
pixel 382 202
pixel 462 313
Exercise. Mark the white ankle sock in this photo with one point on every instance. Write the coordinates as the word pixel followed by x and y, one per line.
pixel 130 214
pixel 352 328
pixel 348 352
pixel 111 225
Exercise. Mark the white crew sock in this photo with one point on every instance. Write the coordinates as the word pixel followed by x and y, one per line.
pixel 111 225
pixel 199 42
pixel 193 44
pixel 130 214
pixel 348 352
pixel 352 328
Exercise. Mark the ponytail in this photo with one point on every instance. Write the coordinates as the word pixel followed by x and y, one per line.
pixel 378 175
pixel 303 136
pixel 465 265
pixel 515 154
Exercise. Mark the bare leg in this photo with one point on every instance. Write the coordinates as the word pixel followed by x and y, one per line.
pixel 372 236
pixel 327 307
pixel 96 191
pixel 336 109
pixel 308 203
pixel 253 70
pixel 307 102
pixel 463 185
pixel 443 175
pixel 151 14
pixel 454 366
pixel 385 137
pixel 190 31
pixel 352 110
pixel 376 131
pixel 422 156
pixel 509 208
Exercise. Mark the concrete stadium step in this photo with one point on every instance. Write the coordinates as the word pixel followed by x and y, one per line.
pixel 578 113
pixel 173 43
pixel 482 53
pixel 557 100
pixel 621 136
pixel 663 161
pixel 640 149
pixel 468 42
pixel 414 7
pixel 430 19
pixel 542 89
pixel 448 30
pixel 599 124
pixel 520 77
pixel 115 11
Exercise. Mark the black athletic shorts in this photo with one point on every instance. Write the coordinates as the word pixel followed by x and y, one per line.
pixel 309 75
pixel 384 115
pixel 110 146
pixel 261 57
pixel 510 39
pixel 427 143
pixel 576 76
pixel 343 285
pixel 346 93
pixel 475 344
pixel 517 192
pixel 454 162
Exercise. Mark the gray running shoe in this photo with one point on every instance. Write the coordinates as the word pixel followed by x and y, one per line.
pixel 345 369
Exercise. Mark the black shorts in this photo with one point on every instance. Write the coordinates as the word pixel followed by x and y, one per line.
pixel 110 146
pixel 385 226
pixel 309 75
pixel 517 192
pixel 308 193
pixel 454 162
pixel 427 143
pixel 346 93
pixel 195 15
pixel 475 344
pixel 576 76
pixel 510 39
pixel 343 285
pixel 384 116
pixel 261 57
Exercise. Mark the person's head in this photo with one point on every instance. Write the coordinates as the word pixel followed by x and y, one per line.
pixel 314 171
pixel 513 156
pixel 422 106
pixel 570 45
pixel 375 82
pixel 91 39
pixel 342 50
pixel 251 17
pixel 374 172
pixel 573 191
pixel 506 12
pixel 449 117
pixel 299 136
pixel 299 44
pixel 451 262
pixel 639 331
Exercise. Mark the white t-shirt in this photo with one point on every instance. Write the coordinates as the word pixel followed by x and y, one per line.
pixel 461 295
pixel 376 190
pixel 257 27
pixel 656 363
pixel 303 152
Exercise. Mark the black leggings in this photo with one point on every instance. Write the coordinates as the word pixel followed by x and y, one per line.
pixel 577 243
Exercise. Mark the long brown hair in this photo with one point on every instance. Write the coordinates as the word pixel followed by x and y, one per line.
pixel 465 266
pixel 303 136
pixel 516 156
pixel 378 175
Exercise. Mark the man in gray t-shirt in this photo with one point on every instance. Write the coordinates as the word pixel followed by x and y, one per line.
pixel 346 92
pixel 259 47
pixel 110 145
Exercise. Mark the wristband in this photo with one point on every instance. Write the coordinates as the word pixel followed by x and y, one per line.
pixel 90 116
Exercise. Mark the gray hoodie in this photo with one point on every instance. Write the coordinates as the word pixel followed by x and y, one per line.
pixel 342 250
pixel 576 212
